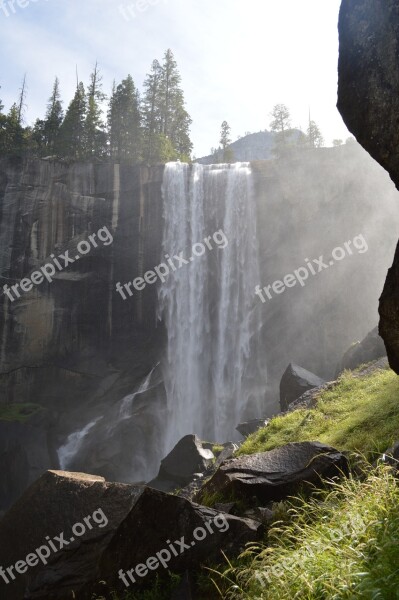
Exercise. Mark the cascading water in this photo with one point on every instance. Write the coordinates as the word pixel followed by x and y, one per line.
pixel 127 403
pixel 213 372
pixel 74 443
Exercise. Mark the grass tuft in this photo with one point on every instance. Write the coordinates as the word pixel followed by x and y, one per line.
pixel 361 414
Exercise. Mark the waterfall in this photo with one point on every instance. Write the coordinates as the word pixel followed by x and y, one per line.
pixel 127 403
pixel 214 369
pixel 74 443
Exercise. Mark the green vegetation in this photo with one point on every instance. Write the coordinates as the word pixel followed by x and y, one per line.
pixel 18 412
pixel 152 128
pixel 341 544
pixel 360 414
pixel 161 589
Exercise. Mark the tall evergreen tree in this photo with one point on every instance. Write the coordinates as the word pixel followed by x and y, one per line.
pixel 14 133
pixel 46 132
pixel 95 136
pixel 151 113
pixel 124 122
pixel 225 141
pixel 175 122
pixel 72 131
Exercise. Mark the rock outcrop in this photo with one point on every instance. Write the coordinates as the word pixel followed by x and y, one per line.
pixel 274 475
pixel 71 530
pixel 187 459
pixel 369 103
pixel 295 382
pixel 50 509
pixel 360 353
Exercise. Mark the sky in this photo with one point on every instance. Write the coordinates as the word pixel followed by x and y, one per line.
pixel 237 59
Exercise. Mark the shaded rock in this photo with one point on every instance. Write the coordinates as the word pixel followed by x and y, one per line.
pixel 369 104
pixel 261 514
pixel 54 504
pixel 272 476
pixel 187 459
pixel 26 451
pixel 156 521
pixel 251 426
pixel 295 382
pixel 227 452
pixel 370 349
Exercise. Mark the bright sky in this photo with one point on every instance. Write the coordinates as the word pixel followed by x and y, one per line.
pixel 237 59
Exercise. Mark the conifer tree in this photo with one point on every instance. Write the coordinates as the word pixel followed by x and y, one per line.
pixel 124 122
pixel 95 136
pixel 175 122
pixel 53 119
pixel 151 113
pixel 72 131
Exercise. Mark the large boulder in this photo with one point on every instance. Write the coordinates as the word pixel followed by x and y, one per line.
pixel 368 100
pixel 161 532
pixel 274 475
pixel 188 458
pixel 250 427
pixel 295 382
pixel 55 503
pixel 370 349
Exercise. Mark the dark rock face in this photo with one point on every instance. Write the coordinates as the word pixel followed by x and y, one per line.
pixel 295 382
pixel 52 505
pixel 272 476
pixel 25 451
pixel 251 426
pixel 370 349
pixel 187 458
pixel 369 103
pixel 144 528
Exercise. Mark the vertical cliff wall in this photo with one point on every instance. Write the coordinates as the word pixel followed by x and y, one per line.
pixel 78 350
pixel 369 103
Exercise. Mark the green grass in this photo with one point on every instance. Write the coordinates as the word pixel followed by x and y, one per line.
pixel 360 414
pixel 342 544
pixel 18 412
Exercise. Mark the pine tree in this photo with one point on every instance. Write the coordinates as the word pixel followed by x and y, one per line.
pixel 225 141
pixel 281 127
pixel 95 136
pixel 3 124
pixel 14 133
pixel 314 136
pixel 47 131
pixel 151 113
pixel 124 122
pixel 72 131
pixel 175 121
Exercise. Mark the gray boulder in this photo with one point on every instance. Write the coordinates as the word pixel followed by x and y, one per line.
pixel 250 427
pixel 370 349
pixel 142 544
pixel 272 476
pixel 55 503
pixel 295 382
pixel 186 462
